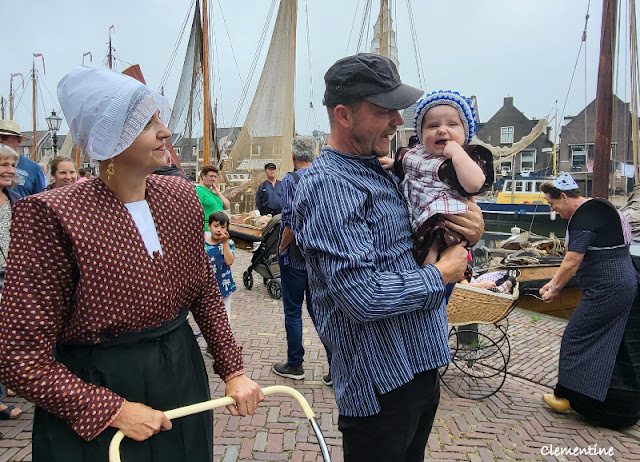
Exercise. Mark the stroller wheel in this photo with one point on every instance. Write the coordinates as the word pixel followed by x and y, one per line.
pixel 274 288
pixel 247 279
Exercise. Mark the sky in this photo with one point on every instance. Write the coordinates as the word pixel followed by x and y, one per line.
pixel 526 49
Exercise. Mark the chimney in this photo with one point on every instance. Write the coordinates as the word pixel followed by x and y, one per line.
pixel 508 101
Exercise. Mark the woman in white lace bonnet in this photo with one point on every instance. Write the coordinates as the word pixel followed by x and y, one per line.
pixel 95 329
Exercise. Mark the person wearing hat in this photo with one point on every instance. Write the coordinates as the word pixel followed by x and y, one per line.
pixel 442 171
pixel 268 195
pixel 382 316
pixel 95 331
pixel 30 178
pixel 599 365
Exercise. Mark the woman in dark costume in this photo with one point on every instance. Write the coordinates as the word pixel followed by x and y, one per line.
pixel 100 277
pixel 599 368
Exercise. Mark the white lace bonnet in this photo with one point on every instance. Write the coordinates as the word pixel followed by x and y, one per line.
pixel 107 110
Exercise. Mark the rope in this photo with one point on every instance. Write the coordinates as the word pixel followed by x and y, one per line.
pixel 254 63
pixel 313 109
pixel 416 49
pixel 364 24
pixel 233 52
pixel 583 41
pixel 353 23
pixel 174 53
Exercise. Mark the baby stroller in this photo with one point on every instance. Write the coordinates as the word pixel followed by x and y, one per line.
pixel 265 260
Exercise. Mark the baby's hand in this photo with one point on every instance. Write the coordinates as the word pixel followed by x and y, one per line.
pixel 452 148
pixel 225 237
pixel 386 162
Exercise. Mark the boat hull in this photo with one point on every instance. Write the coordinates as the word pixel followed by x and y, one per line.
pixel 244 235
pixel 532 278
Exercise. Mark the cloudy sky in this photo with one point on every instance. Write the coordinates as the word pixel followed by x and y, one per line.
pixel 526 49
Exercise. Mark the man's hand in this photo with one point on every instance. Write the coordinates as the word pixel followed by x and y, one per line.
pixel 139 422
pixel 247 394
pixel 386 162
pixel 469 224
pixel 452 263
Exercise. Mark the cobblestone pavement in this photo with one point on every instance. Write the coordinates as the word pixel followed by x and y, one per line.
pixel 513 424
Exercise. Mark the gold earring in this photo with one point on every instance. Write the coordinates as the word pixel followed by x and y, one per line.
pixel 111 170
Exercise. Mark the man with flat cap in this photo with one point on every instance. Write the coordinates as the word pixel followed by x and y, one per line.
pixel 382 316
pixel 268 195
pixel 30 178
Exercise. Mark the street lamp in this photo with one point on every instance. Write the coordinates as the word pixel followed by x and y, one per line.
pixel 53 121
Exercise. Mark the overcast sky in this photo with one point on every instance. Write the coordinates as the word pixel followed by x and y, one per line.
pixel 526 49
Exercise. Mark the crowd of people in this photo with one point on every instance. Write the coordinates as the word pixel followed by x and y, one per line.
pixel 95 328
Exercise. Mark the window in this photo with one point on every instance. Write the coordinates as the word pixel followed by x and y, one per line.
pixel 195 151
pixel 528 187
pixel 507 186
pixel 177 151
pixel 519 186
pixel 528 160
pixel 505 167
pixel 506 135
pixel 578 158
pixel 25 151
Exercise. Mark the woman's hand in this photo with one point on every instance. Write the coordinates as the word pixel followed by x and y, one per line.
pixel 139 422
pixel 469 224
pixel 247 394
pixel 548 292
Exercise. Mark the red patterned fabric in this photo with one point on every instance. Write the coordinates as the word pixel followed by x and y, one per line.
pixel 78 270
pixel 425 192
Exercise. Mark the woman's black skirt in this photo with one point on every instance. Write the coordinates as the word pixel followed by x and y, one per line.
pixel 162 368
pixel 621 408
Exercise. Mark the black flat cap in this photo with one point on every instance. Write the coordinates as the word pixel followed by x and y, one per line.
pixel 367 77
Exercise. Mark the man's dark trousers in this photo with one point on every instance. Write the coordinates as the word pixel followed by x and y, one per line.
pixel 400 431
pixel 294 290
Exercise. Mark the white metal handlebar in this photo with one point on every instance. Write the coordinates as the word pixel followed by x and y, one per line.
pixel 114 447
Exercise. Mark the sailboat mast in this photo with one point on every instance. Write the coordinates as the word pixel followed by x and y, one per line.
pixel 110 48
pixel 11 98
pixel 34 152
pixel 206 138
pixel 604 101
pixel 384 36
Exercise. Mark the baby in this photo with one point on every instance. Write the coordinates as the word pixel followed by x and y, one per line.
pixel 442 171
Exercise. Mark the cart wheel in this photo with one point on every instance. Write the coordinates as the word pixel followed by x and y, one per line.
pixel 478 366
pixel 274 288
pixel 247 279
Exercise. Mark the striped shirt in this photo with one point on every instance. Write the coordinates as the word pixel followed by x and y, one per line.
pixel 287 191
pixel 383 317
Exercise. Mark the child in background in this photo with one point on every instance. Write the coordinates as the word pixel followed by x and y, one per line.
pixel 442 171
pixel 220 250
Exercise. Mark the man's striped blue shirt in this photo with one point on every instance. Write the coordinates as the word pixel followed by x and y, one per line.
pixel 383 317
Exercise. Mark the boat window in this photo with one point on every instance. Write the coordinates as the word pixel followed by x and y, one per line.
pixel 507 186
pixel 529 186
pixel 528 160
pixel 518 186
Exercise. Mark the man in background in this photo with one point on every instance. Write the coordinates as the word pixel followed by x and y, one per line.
pixel 268 196
pixel 293 272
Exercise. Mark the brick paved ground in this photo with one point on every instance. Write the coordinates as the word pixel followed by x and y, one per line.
pixel 513 424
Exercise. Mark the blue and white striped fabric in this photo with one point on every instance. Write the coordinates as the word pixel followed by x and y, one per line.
pixel 287 192
pixel 383 317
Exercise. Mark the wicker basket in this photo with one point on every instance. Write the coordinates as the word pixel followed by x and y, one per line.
pixel 468 305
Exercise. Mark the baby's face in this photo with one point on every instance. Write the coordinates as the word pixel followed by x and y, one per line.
pixel 440 125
